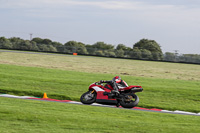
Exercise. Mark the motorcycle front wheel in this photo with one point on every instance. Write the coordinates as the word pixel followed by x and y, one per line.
pixel 88 97
pixel 129 101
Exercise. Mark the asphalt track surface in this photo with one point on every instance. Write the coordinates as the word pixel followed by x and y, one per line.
pixel 101 105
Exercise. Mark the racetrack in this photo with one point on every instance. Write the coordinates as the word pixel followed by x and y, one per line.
pixel 185 79
pixel 101 105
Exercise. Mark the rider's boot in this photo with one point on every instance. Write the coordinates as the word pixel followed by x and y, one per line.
pixel 118 103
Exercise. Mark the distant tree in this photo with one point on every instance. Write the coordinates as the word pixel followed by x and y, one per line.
pixel 57 44
pixel 42 41
pixel 195 58
pixel 136 53
pixel 16 41
pixel 43 47
pixel 5 43
pixel 146 54
pixel 90 49
pixel 82 50
pixel 119 52
pixel 37 40
pixel 102 45
pixel 52 48
pixel 59 47
pixel 34 46
pixel 169 56
pixel 149 46
pixel 25 45
pixel 99 53
pixel 73 47
pixel 74 44
pixel 157 56
pixel 109 53
pixel 126 50
pixel 123 47
pixel 101 48
pixel 46 41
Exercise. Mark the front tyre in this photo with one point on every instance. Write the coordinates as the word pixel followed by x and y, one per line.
pixel 88 97
pixel 129 101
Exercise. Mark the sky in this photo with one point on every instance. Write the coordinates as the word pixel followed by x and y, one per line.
pixel 173 24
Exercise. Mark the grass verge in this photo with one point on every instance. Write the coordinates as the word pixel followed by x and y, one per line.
pixel 39 116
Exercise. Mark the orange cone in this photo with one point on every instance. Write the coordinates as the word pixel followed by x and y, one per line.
pixel 45 95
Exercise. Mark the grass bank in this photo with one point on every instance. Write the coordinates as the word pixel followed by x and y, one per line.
pixel 40 116
pixel 62 84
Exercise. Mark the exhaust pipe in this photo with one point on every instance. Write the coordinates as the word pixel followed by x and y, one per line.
pixel 135 89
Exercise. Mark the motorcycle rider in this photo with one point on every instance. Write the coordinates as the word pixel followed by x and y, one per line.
pixel 116 83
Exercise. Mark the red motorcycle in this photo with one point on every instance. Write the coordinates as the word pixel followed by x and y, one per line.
pixel 100 93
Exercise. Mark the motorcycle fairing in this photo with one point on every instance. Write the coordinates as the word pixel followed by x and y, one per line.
pixel 101 98
pixel 97 89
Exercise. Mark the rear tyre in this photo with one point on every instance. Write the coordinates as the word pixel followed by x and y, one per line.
pixel 129 101
pixel 88 97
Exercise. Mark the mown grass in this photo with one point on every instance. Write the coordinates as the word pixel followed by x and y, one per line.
pixel 99 65
pixel 61 84
pixel 28 116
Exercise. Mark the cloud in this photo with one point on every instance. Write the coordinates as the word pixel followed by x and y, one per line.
pixel 100 4
pixel 105 4
pixel 129 10
pixel 131 7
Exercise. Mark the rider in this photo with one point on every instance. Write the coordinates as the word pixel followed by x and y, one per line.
pixel 116 83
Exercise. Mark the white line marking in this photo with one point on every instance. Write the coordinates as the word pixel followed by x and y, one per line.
pixel 167 111
pixel 183 112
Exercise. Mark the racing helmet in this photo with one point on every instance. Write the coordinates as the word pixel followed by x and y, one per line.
pixel 117 79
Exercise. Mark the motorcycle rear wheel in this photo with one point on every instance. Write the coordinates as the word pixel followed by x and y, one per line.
pixel 129 101
pixel 88 97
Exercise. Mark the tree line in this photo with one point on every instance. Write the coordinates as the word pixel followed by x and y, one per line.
pixel 143 49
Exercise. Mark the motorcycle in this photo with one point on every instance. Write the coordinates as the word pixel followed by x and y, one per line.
pixel 100 93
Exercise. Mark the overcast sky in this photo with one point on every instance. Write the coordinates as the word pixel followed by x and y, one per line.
pixel 174 24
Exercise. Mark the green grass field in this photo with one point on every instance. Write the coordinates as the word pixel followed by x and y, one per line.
pixel 61 84
pixel 101 65
pixel 34 74
pixel 170 86
pixel 28 116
